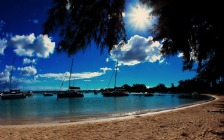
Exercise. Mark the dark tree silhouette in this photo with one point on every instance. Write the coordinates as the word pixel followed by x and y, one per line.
pixel 193 85
pixel 160 88
pixel 195 28
pixel 139 88
pixel 79 22
pixel 127 87
pixel 192 27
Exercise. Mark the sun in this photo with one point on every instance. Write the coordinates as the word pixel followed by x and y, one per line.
pixel 139 16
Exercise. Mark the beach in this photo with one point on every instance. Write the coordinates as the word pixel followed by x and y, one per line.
pixel 196 122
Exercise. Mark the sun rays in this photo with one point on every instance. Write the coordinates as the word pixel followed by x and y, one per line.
pixel 139 17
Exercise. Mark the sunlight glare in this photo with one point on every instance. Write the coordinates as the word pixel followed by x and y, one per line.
pixel 139 17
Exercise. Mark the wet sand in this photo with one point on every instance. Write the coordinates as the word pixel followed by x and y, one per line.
pixel 197 122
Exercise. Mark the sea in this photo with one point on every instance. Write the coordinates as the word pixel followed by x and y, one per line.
pixel 38 109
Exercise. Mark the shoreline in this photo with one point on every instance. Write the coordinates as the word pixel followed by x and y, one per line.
pixel 108 117
pixel 199 121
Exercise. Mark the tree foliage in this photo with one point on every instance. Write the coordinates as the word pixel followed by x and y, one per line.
pixel 139 88
pixel 79 22
pixel 194 28
pixel 191 27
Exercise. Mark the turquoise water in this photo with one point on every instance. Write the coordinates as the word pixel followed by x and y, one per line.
pixel 45 109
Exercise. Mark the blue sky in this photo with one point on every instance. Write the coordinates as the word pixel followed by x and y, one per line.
pixel 38 66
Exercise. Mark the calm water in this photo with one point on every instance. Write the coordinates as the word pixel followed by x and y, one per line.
pixel 42 109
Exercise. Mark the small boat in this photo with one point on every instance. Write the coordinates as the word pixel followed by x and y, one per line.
pixel 136 94
pixel 148 94
pixel 29 93
pixel 72 91
pixel 116 92
pixel 12 94
pixel 47 94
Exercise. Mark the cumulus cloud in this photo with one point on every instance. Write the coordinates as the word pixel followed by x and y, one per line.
pixel 3 45
pixel 5 79
pixel 137 50
pixel 4 76
pixel 27 71
pixel 29 45
pixel 29 61
pixel 15 81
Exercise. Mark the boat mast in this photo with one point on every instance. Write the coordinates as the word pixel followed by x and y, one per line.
pixel 71 71
pixel 115 81
pixel 12 67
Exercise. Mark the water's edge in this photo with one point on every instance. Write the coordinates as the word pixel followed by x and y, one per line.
pixel 60 120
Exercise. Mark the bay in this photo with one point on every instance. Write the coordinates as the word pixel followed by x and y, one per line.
pixel 47 109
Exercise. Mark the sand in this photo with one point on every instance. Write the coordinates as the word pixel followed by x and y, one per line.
pixel 204 121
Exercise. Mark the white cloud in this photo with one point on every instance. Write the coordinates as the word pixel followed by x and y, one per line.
pixel 27 71
pixel 65 76
pixel 162 60
pixel 180 55
pixel 5 79
pixel 56 76
pixel 123 14
pixel 29 45
pixel 29 61
pixel 86 75
pixel 16 82
pixel 137 50
pixel 44 46
pixel 4 76
pixel 105 69
pixel 40 88
pixel 3 45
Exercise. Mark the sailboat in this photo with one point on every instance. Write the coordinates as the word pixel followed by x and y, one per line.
pixel 116 92
pixel 12 93
pixel 72 90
